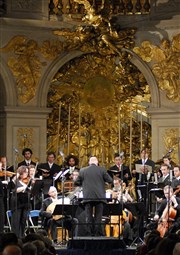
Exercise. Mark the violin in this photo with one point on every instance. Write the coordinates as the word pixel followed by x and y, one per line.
pixel 6 173
pixel 25 180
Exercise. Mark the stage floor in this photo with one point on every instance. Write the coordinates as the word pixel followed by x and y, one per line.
pixel 95 246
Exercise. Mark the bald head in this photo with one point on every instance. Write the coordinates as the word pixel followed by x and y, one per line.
pixel 93 160
pixel 12 250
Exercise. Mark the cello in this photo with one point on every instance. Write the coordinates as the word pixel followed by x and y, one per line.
pixel 166 219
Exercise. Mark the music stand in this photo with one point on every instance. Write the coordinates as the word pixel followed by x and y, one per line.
pixel 113 209
pixel 157 192
pixel 36 189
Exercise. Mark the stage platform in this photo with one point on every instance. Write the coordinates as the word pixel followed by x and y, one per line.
pixel 95 246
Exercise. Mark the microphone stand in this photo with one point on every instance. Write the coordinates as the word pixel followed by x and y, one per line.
pixel 170 181
pixel 63 178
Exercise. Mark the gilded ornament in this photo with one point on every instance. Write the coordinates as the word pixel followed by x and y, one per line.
pixel 165 64
pixel 171 141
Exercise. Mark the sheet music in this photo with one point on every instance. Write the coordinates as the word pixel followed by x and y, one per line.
pixel 143 168
pixel 58 175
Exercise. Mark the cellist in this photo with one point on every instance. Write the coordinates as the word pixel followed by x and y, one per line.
pixel 169 210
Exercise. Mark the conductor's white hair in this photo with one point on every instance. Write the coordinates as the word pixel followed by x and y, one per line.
pixel 93 160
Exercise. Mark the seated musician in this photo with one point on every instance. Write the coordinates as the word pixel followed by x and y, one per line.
pixel 176 180
pixel 49 221
pixel 163 212
pixel 116 191
pixel 117 197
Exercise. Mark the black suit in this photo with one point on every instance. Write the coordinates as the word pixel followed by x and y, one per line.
pixel 123 171
pixel 48 222
pixel 92 179
pixel 23 163
pixel 52 171
pixel 175 183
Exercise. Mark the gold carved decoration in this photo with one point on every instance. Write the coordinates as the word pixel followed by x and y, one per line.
pixel 86 92
pixel 165 64
pixel 25 64
pixel 94 88
pixel 24 140
pixel 171 141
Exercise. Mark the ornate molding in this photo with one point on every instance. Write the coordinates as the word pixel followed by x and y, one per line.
pixel 165 64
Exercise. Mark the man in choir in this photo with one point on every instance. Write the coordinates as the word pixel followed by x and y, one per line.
pixel 144 161
pixel 49 221
pixel 119 169
pixel 172 201
pixel 165 179
pixel 71 165
pixel 167 161
pixel 92 179
pixel 49 169
pixel 27 153
pixel 176 180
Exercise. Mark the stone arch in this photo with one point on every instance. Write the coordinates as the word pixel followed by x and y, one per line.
pixel 8 85
pixel 66 57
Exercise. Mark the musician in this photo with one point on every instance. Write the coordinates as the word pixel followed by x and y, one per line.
pixel 119 192
pixel 47 218
pixel 51 168
pixel 93 179
pixel 27 154
pixel 174 202
pixel 5 165
pixel 176 179
pixel 20 201
pixel 123 171
pixel 1 207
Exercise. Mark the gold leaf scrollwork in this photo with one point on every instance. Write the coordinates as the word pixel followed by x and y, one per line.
pixel 171 141
pixel 166 64
pixel 26 65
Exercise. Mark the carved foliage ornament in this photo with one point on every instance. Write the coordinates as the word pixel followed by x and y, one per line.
pixel 26 65
pixel 165 64
pixel 171 140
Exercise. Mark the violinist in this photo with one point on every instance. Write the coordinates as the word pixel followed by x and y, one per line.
pixel 20 201
pixel 163 212
pixel 5 165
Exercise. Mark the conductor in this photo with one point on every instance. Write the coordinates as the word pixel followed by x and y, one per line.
pixel 92 179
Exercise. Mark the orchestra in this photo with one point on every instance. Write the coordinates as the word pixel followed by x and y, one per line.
pixel 26 184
